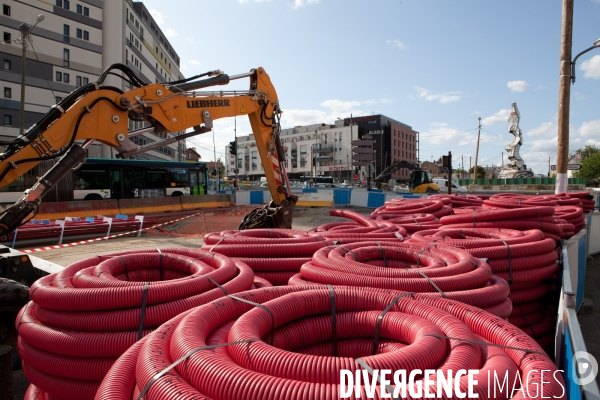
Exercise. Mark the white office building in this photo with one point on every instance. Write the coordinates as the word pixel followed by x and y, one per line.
pixel 74 43
pixel 321 150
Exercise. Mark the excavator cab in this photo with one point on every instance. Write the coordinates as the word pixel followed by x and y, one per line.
pixel 422 182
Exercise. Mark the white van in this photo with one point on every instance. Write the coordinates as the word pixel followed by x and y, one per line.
pixel 443 184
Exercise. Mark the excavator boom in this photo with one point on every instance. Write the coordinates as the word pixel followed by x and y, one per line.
pixel 100 113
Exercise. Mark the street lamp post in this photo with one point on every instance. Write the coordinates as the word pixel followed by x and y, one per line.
pixel 25 30
pixel 594 46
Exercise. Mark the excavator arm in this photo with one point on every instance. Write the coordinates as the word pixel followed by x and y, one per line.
pixel 96 112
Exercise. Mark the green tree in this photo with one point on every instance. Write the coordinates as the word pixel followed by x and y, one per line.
pixel 480 172
pixel 590 168
pixel 588 151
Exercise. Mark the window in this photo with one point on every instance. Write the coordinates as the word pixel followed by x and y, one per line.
pixel 86 11
pixel 66 33
pixel 85 81
pixel 66 78
pixel 67 4
pixel 66 56
pixel 6 37
pixel 79 33
pixel 131 17
pixel 137 44
pixel 58 3
pixel 7 120
pixel 7 65
pixel 58 99
pixel 6 10
pixel 78 81
pixel 86 35
pixel 58 76
pixel 7 92
pixel 79 9
pixel 137 24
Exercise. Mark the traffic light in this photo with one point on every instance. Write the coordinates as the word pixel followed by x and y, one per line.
pixel 233 147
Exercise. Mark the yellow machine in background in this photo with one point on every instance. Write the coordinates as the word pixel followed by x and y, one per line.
pixel 420 181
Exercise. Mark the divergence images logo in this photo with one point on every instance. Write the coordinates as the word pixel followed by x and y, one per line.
pixel 586 368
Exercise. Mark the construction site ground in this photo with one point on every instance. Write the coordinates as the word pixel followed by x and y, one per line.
pixel 189 233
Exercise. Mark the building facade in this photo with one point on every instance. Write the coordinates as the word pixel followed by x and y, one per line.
pixel 326 149
pixel 319 149
pixel 392 141
pixel 71 47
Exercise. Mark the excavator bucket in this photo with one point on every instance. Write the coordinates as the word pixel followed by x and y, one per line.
pixel 271 216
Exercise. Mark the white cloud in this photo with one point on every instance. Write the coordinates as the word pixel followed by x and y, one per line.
pixel 190 40
pixel 170 32
pixel 194 62
pixel 442 133
pixel 591 128
pixel 517 86
pixel 397 44
pixel 591 68
pixel 540 87
pixel 256 1
pixel 443 98
pixel 158 17
pixel 302 3
pixel 546 128
pixel 501 117
pixel 336 109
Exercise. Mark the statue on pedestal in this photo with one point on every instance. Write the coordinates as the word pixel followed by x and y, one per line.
pixel 516 167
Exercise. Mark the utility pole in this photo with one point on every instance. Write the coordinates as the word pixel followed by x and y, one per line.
pixel 549 170
pixel 502 159
pixel 564 97
pixel 462 166
pixel 235 163
pixel 477 151
pixel 469 164
pixel 25 38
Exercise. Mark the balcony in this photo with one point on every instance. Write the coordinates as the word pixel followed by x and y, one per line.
pixel 324 158
pixel 325 149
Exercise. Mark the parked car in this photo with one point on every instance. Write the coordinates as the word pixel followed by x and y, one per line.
pixel 443 184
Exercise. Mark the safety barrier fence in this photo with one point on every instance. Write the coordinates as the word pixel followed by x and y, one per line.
pixel 570 352
pixel 83 209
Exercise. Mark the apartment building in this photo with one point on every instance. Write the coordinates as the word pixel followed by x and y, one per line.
pixel 319 149
pixel 392 141
pixel 326 149
pixel 74 43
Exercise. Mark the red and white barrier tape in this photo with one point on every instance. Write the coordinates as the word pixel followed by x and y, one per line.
pixel 60 246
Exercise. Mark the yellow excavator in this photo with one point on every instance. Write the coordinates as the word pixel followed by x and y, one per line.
pixel 98 112
pixel 420 180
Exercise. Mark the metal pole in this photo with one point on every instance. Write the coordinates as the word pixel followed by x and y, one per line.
pixel 25 29
pixel 477 151
pixel 449 172
pixel 564 97
pixel 235 163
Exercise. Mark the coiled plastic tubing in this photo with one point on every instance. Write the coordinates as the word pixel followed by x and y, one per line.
pixel 274 255
pixel 432 269
pixel 259 346
pixel 80 320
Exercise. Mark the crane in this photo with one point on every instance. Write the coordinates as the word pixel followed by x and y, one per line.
pixel 98 112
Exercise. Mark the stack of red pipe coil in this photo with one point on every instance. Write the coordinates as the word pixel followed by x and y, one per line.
pixel 434 270
pixel 80 320
pixel 399 207
pixel 525 218
pixel 261 349
pixel 458 201
pixel 525 259
pixel 358 229
pixel 274 255
pixel 413 222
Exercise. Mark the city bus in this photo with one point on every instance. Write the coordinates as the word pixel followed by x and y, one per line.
pixel 318 179
pixel 100 178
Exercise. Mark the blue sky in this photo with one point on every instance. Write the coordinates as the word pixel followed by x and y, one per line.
pixel 436 65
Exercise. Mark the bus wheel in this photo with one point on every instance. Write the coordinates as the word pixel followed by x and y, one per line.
pixel 177 194
pixel 13 296
pixel 93 197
